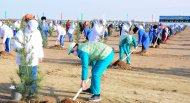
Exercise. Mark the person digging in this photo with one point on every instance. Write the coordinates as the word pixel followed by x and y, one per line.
pixel 101 56
pixel 125 44
pixel 143 39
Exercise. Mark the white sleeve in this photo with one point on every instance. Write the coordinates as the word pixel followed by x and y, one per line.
pixel 100 30
pixel 40 47
pixel 59 32
pixel 18 37
pixel 5 36
pixel 64 31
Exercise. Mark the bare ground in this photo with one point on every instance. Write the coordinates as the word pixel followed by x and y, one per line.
pixel 161 77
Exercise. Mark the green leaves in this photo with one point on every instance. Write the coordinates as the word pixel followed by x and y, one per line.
pixel 77 34
pixel 29 85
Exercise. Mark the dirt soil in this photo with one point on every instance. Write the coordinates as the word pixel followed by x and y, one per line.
pixel 119 64
pixel 162 77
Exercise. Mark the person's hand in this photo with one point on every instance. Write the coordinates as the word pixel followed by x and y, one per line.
pixel 83 84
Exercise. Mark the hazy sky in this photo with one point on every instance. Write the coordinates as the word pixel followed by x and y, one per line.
pixel 109 9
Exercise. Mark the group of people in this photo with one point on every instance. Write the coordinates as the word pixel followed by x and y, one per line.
pixel 93 52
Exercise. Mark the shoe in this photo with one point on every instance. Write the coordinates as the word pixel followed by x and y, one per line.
pixel 95 98
pixel 129 64
pixel 87 91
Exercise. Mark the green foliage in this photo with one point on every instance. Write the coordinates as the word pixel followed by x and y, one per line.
pixel 28 87
pixel 77 34
pixel 110 32
pixel 44 38
pixel 50 31
pixel 23 23
pixel 64 23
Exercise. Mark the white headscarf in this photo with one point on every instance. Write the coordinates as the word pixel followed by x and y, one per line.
pixel 125 29
pixel 141 27
pixel 1 23
pixel 129 23
pixel 33 24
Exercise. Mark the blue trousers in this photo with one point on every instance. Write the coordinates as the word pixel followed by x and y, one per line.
pixel 14 32
pixel 34 69
pixel 105 34
pixel 124 48
pixel 62 40
pixel 8 45
pixel 70 37
pixel 98 69
pixel 46 33
pixel 33 76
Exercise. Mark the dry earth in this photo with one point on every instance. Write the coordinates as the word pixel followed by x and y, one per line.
pixel 161 77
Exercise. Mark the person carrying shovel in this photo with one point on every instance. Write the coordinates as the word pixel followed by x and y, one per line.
pixel 101 55
pixel 125 43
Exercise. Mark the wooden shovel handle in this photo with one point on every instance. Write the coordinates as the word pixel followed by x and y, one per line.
pixel 80 90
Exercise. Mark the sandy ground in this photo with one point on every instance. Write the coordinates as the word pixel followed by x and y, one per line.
pixel 161 77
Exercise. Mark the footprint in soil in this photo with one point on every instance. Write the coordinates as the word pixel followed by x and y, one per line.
pixel 174 90
pixel 53 71
pixel 134 92
pixel 58 47
pixel 159 89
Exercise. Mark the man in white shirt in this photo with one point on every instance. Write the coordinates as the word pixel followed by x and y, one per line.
pixel 6 34
pixel 96 33
pixel 33 42
pixel 70 32
pixel 61 32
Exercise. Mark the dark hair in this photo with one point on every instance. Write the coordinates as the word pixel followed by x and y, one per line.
pixel 155 26
pixel 43 18
pixel 135 30
pixel 76 45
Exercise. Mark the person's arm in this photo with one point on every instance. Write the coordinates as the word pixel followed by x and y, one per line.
pixel 19 39
pixel 134 42
pixel 5 36
pixel 40 48
pixel 58 35
pixel 154 33
pixel 139 37
pixel 124 41
pixel 84 59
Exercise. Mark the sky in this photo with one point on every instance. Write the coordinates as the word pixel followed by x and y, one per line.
pixel 140 10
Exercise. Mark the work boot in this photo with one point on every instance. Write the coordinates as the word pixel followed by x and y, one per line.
pixel 95 98
pixel 87 91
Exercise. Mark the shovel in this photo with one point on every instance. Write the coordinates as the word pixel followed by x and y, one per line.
pixel 80 90
pixel 154 45
pixel 119 61
pixel 129 54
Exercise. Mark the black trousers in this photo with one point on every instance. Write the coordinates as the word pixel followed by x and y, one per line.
pixel 158 41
